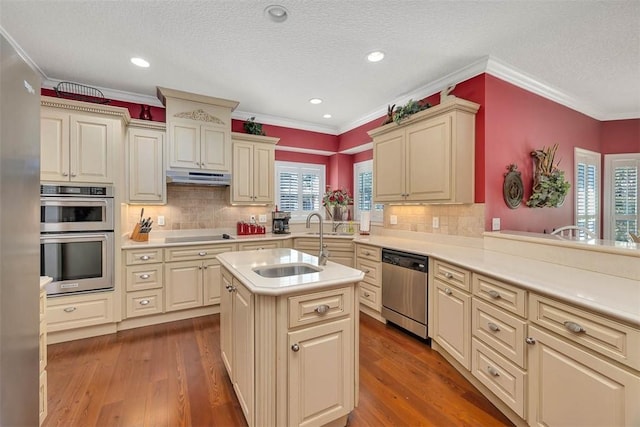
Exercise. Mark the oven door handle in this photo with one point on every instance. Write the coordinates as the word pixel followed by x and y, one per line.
pixel 71 236
pixel 72 201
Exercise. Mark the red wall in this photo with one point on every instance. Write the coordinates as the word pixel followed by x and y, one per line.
pixel 620 136
pixel 517 122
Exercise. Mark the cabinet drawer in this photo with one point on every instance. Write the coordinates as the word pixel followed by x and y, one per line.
pixel 504 379
pixel 372 271
pixel 452 275
pixel 313 244
pixel 143 256
pixel 79 311
pixel 503 295
pixel 370 296
pixel 605 336
pixel 319 306
pixel 144 303
pixel 372 253
pixel 503 332
pixel 144 277
pixel 188 253
pixel 252 246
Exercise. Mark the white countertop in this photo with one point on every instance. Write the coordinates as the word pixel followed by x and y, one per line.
pixel 44 281
pixel 242 264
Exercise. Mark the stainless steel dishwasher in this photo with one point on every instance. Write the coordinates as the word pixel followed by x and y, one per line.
pixel 404 290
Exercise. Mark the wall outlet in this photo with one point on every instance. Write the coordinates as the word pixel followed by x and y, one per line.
pixel 161 220
pixel 262 218
pixel 252 218
pixel 436 222
pixel 495 224
pixel 393 219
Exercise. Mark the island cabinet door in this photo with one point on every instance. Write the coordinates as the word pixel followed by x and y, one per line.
pixel 321 366
pixel 243 349
pixel 226 333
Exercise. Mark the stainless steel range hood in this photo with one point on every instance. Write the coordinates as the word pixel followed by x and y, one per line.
pixel 198 178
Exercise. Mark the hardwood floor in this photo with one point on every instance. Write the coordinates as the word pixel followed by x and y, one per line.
pixel 172 375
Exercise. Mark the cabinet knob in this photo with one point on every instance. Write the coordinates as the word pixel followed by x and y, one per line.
pixel 494 294
pixel 493 327
pixel 574 327
pixel 199 267
pixel 205 267
pixel 493 371
pixel 144 302
pixel 367 271
pixel 447 291
pixel 73 174
pixel 70 309
pixel 203 253
pixel 321 309
pixel 366 253
pixel 144 257
pixel 65 174
pixel 530 340
pixel 145 276
pixel 367 294
pixel 295 348
pixel 448 275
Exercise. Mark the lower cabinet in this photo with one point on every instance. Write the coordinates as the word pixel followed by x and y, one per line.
pixel 253 246
pixel 79 311
pixel 340 249
pixel 42 388
pixel 183 285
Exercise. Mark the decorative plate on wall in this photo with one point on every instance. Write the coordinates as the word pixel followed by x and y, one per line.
pixel 513 189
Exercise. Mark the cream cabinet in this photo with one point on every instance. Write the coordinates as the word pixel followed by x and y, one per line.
pixel 428 158
pixel 369 261
pixel 144 282
pixel 80 141
pixel 340 249
pixel 42 388
pixel 199 131
pixel 145 169
pixel 254 246
pixel 253 169
pixel 451 318
pixel 79 311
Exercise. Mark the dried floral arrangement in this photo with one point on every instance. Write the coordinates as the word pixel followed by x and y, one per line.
pixel 549 186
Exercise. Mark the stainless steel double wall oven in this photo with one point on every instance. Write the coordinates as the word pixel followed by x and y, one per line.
pixel 76 237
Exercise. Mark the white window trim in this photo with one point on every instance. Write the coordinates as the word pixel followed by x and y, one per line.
pixel 609 160
pixel 366 165
pixel 320 168
pixel 580 155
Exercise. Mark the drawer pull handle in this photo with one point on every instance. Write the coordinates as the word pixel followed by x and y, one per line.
pixel 447 291
pixel 145 257
pixel 144 302
pixel 366 253
pixel 70 309
pixel 494 294
pixel 448 275
pixel 295 348
pixel 493 327
pixel 145 276
pixel 574 327
pixel 367 295
pixel 322 309
pixel 203 253
pixel 493 371
pixel 367 271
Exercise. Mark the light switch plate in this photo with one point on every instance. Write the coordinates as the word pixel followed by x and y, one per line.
pixel 495 224
pixel 393 219
pixel 436 222
pixel 161 220
pixel 262 218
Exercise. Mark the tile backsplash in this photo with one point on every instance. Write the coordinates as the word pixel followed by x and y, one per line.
pixel 461 220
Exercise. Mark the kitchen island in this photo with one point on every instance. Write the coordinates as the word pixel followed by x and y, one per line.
pixel 289 336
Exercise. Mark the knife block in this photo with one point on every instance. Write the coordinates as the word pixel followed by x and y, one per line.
pixel 137 236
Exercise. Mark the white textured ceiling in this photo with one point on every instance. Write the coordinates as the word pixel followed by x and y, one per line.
pixel 587 51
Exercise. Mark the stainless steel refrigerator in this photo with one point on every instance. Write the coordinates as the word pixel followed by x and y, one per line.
pixel 19 237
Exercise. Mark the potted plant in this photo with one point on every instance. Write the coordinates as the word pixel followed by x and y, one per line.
pixel 250 126
pixel 549 185
pixel 401 113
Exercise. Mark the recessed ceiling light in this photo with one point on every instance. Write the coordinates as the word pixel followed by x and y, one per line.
pixel 375 56
pixel 327 116
pixel 140 62
pixel 276 13
pixel 315 101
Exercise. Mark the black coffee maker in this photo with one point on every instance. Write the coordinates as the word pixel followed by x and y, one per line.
pixel 280 222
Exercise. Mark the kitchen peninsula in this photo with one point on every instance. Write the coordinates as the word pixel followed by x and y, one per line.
pixel 289 336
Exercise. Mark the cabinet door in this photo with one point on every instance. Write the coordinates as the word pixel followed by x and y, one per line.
pixel 569 386
pixel 321 369
pixel 389 167
pixel 428 154
pixel 452 322
pixel 212 284
pixel 243 349
pixel 91 149
pixel 184 145
pixel 146 165
pixel 263 173
pixel 242 179
pixel 215 149
pixel 226 305
pixel 183 285
pixel 54 145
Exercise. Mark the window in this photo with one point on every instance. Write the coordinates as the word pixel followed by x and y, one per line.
pixel 621 191
pixel 363 192
pixel 587 189
pixel 299 188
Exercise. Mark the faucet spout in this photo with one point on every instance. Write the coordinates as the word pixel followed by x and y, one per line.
pixel 323 254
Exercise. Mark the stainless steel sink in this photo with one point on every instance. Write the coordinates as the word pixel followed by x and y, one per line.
pixel 286 270
pixel 183 239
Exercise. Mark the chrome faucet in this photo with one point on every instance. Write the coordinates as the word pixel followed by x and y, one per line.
pixel 322 257
pixel 337 225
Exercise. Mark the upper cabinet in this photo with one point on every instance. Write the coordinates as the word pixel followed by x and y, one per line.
pixel 145 173
pixel 427 158
pixel 198 131
pixel 253 169
pixel 79 141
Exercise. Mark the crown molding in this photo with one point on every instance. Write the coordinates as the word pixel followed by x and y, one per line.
pixel 304 150
pixel 358 149
pixel 116 95
pixel 23 54
pixel 284 122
